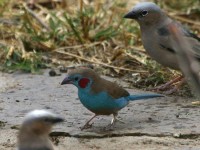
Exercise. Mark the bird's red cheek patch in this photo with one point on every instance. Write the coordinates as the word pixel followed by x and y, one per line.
pixel 83 82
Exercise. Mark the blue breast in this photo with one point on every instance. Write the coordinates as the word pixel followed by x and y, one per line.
pixel 101 103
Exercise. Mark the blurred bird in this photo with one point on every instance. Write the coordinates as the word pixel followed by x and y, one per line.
pixel 189 65
pixel 156 37
pixel 100 96
pixel 34 132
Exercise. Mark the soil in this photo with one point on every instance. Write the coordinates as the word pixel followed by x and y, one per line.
pixel 159 123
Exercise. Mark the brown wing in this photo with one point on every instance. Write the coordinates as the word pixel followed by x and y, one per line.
pixel 113 89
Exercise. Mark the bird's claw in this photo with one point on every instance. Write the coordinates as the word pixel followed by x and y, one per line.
pixel 112 123
pixel 170 87
pixel 108 127
pixel 170 91
pixel 166 89
pixel 87 126
pixel 117 119
pixel 162 87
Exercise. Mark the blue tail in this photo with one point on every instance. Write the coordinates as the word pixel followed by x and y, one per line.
pixel 143 96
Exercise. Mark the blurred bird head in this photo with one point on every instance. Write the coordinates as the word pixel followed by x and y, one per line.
pixel 40 122
pixel 82 78
pixel 146 13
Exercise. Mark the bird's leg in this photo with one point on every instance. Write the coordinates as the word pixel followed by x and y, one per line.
pixel 169 84
pixel 175 88
pixel 87 125
pixel 114 119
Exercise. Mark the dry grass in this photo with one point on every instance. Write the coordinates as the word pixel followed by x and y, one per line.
pixel 74 32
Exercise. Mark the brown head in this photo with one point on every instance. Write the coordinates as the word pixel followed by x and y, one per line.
pixel 81 77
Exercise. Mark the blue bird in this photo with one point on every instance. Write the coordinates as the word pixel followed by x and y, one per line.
pixel 100 96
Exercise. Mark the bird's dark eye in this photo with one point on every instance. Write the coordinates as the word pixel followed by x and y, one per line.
pixel 144 13
pixel 76 78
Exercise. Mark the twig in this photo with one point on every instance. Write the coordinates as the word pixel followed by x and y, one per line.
pixel 186 20
pixel 79 46
pixel 21 44
pixel 81 6
pixel 36 18
pixel 99 63
pixel 137 49
pixel 135 58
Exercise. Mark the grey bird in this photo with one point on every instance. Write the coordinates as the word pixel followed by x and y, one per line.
pixel 189 65
pixel 34 131
pixel 156 36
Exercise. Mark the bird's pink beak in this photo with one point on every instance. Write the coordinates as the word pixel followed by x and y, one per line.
pixel 66 81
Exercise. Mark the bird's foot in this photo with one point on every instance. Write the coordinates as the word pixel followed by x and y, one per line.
pixel 112 123
pixel 169 87
pixel 171 91
pixel 119 120
pixel 162 87
pixel 109 127
pixel 87 126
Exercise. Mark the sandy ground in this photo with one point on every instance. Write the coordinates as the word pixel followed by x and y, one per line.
pixel 162 123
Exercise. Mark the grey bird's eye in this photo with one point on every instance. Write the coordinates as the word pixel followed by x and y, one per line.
pixel 144 13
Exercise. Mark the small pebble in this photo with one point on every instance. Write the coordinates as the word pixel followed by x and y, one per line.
pixel 52 73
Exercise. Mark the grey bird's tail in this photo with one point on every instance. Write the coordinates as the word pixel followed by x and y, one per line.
pixel 143 96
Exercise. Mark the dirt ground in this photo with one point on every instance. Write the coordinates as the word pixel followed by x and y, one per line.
pixel 162 123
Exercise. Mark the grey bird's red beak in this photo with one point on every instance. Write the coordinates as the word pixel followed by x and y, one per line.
pixel 66 81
